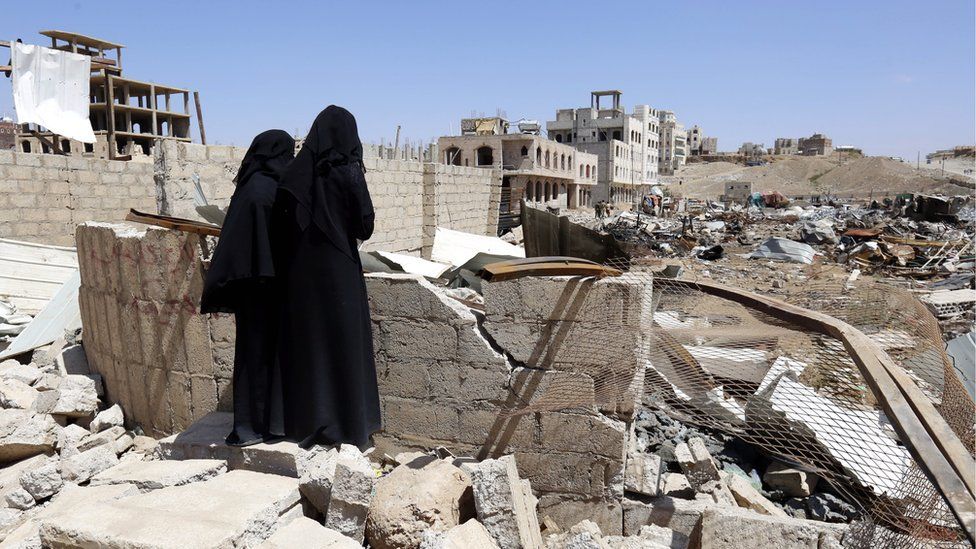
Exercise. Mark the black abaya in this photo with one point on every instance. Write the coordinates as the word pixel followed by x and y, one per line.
pixel 240 281
pixel 325 340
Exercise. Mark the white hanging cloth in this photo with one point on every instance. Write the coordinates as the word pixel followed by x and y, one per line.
pixel 51 89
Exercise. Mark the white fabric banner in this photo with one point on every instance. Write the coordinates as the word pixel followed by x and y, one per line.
pixel 51 89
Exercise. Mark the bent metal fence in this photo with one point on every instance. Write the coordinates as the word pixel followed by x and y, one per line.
pixel 806 387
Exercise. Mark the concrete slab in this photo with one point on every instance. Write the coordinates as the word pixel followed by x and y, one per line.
pixel 305 532
pixel 240 508
pixel 205 440
pixel 153 475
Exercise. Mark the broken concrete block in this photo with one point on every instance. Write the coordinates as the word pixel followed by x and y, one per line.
pixel 45 401
pixel 642 474
pixel 734 528
pixel 679 515
pixel 72 361
pixel 504 502
pixel 24 433
pixel 696 462
pixel 47 382
pixel 425 494
pixel 123 443
pixel 108 437
pixel 83 466
pixel 584 535
pixel 236 509
pixel 351 494
pixel 565 511
pixel 145 445
pixel 44 481
pixel 153 475
pixel 18 498
pixel 17 394
pixel 748 497
pixel 316 471
pixel 305 532
pixel 717 492
pixel 470 535
pixel 205 440
pixel 676 485
pixel 830 508
pixel 24 373
pixel 70 437
pixel 792 482
pixel 111 417
pixel 77 397
pixel 26 534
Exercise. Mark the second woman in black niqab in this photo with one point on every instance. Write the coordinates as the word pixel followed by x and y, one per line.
pixel 240 281
pixel 326 347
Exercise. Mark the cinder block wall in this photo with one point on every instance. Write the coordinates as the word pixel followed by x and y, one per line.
pixel 162 361
pixel 44 196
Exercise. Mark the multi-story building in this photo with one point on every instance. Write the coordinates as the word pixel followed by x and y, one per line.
pixel 786 145
pixel 753 152
pixel 699 144
pixel 626 145
pixel 673 150
pixel 8 133
pixel 541 170
pixel 815 145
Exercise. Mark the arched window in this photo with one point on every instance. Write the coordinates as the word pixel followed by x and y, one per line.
pixel 562 162
pixel 528 189
pixel 587 170
pixel 581 170
pixel 616 134
pixel 538 157
pixel 547 159
pixel 484 156
pixel 525 151
pixel 548 191
pixel 559 138
pixel 452 156
pixel 538 191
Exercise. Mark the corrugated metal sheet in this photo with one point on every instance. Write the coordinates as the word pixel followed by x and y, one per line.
pixel 60 314
pixel 30 274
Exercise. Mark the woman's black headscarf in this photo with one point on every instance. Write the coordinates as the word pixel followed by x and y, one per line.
pixel 319 177
pixel 269 153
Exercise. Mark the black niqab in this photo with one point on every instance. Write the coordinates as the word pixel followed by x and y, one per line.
pixel 244 249
pixel 325 349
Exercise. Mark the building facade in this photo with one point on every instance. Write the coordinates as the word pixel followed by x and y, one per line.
pixel 540 170
pixel 786 145
pixel 8 134
pixel 699 144
pixel 815 145
pixel 673 150
pixel 625 145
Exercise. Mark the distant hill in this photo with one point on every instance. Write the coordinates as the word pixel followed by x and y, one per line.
pixel 809 175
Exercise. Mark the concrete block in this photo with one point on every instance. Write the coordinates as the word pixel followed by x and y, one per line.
pixel 81 467
pixel 733 528
pixel 566 510
pixel 351 494
pixel 470 535
pixel 24 434
pixel 682 516
pixel 748 497
pixel 696 462
pixel 153 475
pixel 505 503
pixel 77 397
pixel 316 472
pixel 642 474
pixel 44 481
pixel 792 482
pixel 17 394
pixel 111 417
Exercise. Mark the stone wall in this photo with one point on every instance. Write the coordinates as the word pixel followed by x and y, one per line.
pixel 44 196
pixel 162 361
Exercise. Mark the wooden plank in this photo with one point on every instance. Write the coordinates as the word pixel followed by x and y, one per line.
pixel 177 223
pixel 931 442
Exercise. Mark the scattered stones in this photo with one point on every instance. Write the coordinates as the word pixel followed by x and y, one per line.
pixel 77 397
pixel 504 502
pixel 24 373
pixel 305 532
pixel 81 467
pixel 112 417
pixel 748 497
pixel 316 471
pixel 47 382
pixel 470 535
pixel 791 482
pixel 72 361
pixel 717 492
pixel 18 498
pixel 732 528
pixel 696 462
pixel 108 437
pixel 830 508
pixel 676 485
pixel 679 515
pixel 153 475
pixel 24 433
pixel 44 481
pixel 351 494
pixel 17 394
pixel 796 508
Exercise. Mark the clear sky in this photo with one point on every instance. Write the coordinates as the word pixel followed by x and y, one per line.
pixel 891 76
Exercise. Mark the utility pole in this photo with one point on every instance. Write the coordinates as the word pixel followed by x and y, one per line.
pixel 918 161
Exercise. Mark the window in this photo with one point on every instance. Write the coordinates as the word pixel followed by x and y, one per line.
pixel 485 156
pixel 616 134
pixel 525 151
pixel 452 156
pixel 538 156
pixel 559 138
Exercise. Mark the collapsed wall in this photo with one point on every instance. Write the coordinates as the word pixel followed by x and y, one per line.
pixel 520 379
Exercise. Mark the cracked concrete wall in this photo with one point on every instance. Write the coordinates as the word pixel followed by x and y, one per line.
pixel 44 196
pixel 450 376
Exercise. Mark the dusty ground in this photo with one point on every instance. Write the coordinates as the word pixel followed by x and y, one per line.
pixel 801 176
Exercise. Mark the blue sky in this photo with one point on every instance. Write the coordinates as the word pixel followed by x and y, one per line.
pixel 894 77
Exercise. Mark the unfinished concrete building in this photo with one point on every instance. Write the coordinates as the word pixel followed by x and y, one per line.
pixel 815 145
pixel 127 115
pixel 673 152
pixel 786 145
pixel 700 145
pixel 626 144
pixel 540 170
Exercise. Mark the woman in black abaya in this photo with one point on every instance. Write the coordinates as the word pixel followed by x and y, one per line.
pixel 325 348
pixel 240 281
